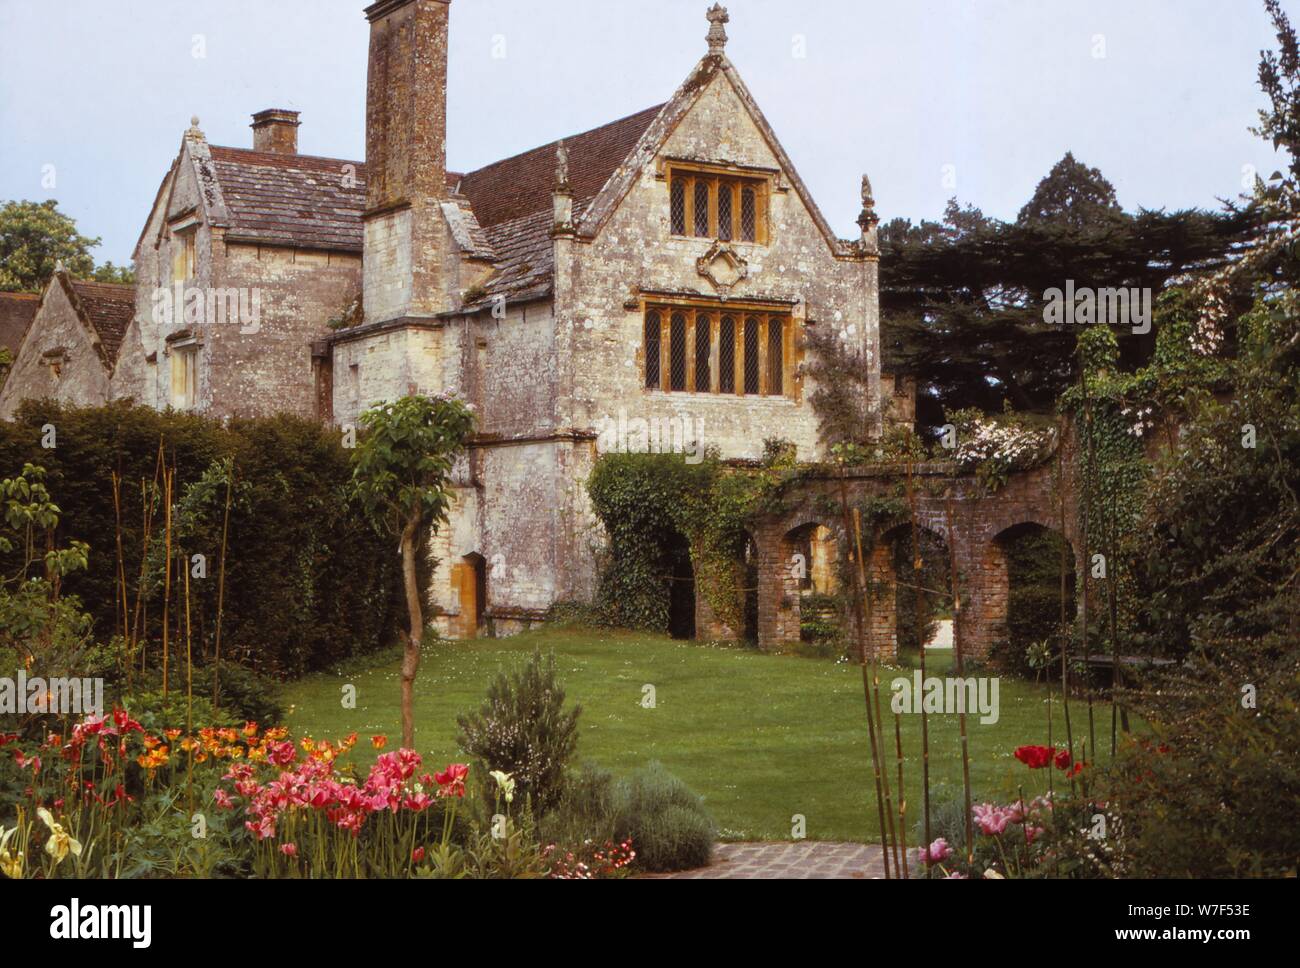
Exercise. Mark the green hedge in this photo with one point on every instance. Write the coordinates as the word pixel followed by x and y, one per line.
pixel 308 582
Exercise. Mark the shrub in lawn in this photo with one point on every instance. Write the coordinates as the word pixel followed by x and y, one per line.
pixel 665 820
pixel 584 811
pixel 523 729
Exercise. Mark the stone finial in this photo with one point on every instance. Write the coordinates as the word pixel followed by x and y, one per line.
pixel 194 133
pixel 869 221
pixel 718 19
pixel 562 168
pixel 59 267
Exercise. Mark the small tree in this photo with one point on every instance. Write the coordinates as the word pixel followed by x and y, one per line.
pixel 34 238
pixel 402 476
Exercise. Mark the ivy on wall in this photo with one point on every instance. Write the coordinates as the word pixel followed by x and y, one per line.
pixel 654 505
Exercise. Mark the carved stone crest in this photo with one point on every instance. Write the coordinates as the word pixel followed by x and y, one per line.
pixel 724 267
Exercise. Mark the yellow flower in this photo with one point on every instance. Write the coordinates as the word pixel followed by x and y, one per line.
pixel 59 844
pixel 11 866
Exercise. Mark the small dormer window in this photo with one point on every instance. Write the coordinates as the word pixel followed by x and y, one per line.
pixel 185 254
pixel 713 205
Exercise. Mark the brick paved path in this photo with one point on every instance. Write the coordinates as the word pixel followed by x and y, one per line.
pixel 803 861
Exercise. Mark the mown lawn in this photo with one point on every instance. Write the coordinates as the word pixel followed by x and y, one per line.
pixel 761 737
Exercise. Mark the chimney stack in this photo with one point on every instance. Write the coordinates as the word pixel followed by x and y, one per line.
pixel 406 160
pixel 276 131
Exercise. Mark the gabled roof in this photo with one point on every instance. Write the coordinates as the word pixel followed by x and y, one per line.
pixel 298 200
pixel 657 134
pixel 501 213
pixel 107 308
pixel 512 200
pixel 16 312
pixel 509 190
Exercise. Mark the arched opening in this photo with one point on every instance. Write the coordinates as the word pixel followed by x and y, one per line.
pixel 681 589
pixel 920 600
pixel 804 583
pixel 813 561
pixel 1035 567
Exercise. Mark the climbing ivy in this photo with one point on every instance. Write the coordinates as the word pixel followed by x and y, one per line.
pixel 652 505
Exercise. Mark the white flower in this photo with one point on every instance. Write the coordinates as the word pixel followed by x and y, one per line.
pixel 506 783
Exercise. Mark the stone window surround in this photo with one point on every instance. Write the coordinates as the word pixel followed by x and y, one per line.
pixel 765 181
pixel 715 311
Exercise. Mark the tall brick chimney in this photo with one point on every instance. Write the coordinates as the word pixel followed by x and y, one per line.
pixel 276 131
pixel 406 160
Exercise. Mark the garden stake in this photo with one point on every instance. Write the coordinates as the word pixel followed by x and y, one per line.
pixel 902 799
pixel 167 581
pixel 1087 488
pixel 221 588
pixel 916 614
pixel 957 637
pixel 875 681
pixel 1063 628
pixel 119 604
pixel 866 683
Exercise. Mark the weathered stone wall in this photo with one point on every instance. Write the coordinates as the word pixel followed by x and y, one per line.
pixel 602 287
pixel 270 370
pixel 380 364
pixel 511 379
pixel 135 377
pixel 78 376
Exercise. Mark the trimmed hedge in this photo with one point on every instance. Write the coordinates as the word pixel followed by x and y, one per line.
pixel 308 581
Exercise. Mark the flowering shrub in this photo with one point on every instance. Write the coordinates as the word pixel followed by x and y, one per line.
pixel 591 861
pixel 993 449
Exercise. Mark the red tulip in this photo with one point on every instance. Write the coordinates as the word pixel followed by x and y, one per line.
pixel 1035 757
pixel 451 781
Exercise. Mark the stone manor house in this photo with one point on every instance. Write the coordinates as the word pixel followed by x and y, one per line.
pixel 663 267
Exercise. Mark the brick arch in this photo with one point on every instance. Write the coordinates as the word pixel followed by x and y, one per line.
pixel 884 582
pixel 997 574
pixel 951 505
pixel 779 593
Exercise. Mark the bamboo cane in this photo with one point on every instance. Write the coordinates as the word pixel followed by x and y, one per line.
pixel 875 681
pixel 866 685
pixel 925 723
pixel 221 589
pixel 957 637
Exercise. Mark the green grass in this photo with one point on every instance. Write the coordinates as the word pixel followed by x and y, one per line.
pixel 761 737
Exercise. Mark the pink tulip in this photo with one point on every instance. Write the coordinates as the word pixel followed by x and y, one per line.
pixel 936 853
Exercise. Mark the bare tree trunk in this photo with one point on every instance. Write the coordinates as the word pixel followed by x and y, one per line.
pixel 415 614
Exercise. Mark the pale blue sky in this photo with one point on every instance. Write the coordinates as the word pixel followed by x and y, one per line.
pixel 997 89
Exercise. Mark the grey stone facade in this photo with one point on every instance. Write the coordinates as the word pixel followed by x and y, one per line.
pixel 527 288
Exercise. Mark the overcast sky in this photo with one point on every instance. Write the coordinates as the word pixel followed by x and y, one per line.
pixel 933 98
